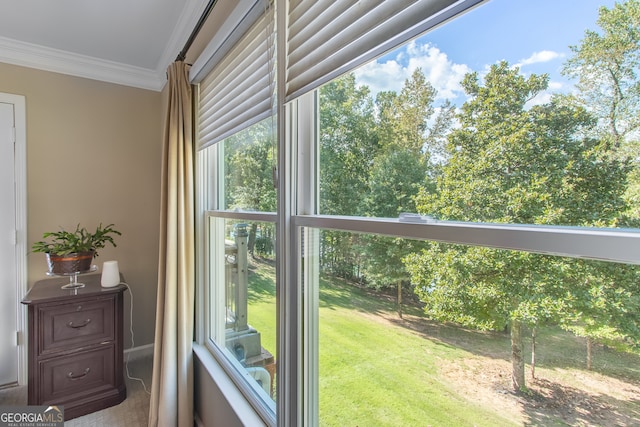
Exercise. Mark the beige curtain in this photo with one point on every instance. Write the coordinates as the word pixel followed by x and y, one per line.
pixel 172 386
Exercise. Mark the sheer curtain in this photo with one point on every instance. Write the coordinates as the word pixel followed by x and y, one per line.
pixel 172 386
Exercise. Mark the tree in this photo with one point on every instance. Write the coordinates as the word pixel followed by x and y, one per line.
pixel 249 176
pixel 607 67
pixel 509 163
pixel 410 120
pixel 348 145
pixel 606 64
pixel 408 115
pixel 394 180
pixel 399 170
pixel 250 159
pixel 606 301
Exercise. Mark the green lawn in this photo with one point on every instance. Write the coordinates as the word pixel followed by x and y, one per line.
pixel 262 303
pixel 376 372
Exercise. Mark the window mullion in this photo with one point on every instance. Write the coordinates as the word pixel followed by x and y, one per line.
pixel 305 116
pixel 287 295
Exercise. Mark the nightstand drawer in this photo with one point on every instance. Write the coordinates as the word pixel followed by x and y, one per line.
pixel 77 376
pixel 78 324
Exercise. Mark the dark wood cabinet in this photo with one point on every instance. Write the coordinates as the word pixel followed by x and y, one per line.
pixel 75 345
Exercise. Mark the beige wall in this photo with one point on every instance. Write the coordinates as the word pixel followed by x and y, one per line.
pixel 94 156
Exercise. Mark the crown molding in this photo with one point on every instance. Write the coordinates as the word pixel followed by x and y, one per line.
pixel 30 55
pixel 43 58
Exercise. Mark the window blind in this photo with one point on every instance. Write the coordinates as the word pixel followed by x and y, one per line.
pixel 328 38
pixel 239 89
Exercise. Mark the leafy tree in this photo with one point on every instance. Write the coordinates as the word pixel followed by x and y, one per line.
pixel 607 65
pixel 348 145
pixel 509 163
pixel 395 178
pixel 606 303
pixel 399 170
pixel 250 159
pixel 407 116
pixel 250 174
pixel 374 157
pixel 410 121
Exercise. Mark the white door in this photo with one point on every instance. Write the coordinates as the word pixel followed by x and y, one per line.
pixel 8 239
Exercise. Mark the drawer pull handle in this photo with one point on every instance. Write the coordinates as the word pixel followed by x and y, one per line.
pixel 77 377
pixel 82 325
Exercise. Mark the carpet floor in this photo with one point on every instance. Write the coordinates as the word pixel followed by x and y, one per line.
pixel 132 412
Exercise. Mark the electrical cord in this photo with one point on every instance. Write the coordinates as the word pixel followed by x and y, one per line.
pixel 126 364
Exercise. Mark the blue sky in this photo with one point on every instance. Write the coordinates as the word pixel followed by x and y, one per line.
pixel 534 34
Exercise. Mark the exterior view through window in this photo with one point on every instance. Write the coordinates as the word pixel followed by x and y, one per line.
pixel 532 119
pixel 504 130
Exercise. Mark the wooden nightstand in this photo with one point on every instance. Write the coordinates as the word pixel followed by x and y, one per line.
pixel 75 345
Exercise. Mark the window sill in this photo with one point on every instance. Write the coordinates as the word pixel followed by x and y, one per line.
pixel 223 403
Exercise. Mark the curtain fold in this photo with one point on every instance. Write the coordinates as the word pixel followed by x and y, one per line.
pixel 172 381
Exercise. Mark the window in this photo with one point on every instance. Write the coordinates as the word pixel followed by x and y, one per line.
pixel 241 260
pixel 435 209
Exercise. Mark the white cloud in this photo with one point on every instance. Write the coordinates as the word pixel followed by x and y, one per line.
pixel 444 75
pixel 440 71
pixel 538 57
pixel 387 76
pixel 556 86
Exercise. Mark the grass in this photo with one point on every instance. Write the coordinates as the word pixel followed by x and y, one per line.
pixel 262 303
pixel 372 373
pixel 376 369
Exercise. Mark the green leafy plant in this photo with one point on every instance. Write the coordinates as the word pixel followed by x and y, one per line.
pixel 67 242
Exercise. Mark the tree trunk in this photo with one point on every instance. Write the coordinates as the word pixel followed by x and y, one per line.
pixel 589 353
pixel 533 352
pixel 400 298
pixel 517 362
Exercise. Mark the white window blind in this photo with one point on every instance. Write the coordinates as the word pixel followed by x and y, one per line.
pixel 239 90
pixel 329 38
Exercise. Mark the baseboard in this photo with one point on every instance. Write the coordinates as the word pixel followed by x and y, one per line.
pixel 138 352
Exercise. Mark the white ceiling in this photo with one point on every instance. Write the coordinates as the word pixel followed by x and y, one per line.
pixel 128 42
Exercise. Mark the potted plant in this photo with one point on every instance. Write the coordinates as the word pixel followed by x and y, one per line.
pixel 71 252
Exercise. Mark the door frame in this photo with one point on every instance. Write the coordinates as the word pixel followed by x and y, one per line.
pixel 20 171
